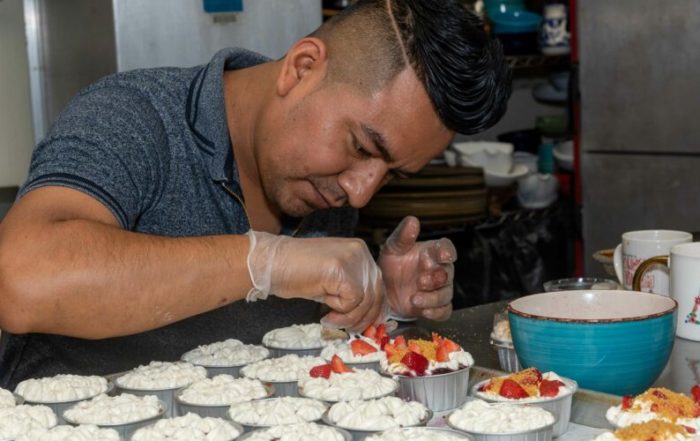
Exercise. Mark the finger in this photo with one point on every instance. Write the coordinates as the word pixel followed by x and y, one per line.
pixel 433 299
pixel 403 238
pixel 343 302
pixel 442 313
pixel 436 278
pixel 447 252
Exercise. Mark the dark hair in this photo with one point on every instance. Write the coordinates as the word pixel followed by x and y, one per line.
pixel 462 69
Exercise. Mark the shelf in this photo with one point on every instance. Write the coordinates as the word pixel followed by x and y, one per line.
pixel 535 63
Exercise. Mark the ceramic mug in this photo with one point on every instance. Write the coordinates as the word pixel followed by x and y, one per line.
pixel 636 247
pixel 684 265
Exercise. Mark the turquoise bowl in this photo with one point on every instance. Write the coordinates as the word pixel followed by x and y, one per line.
pixel 607 340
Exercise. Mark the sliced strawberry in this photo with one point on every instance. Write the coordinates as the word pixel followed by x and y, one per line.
pixel 338 366
pixel 416 362
pixel 323 370
pixel 654 407
pixel 383 342
pixel 361 347
pixel 550 388
pixel 381 332
pixel 370 332
pixel 627 402
pixel 390 349
pixel 696 411
pixel 695 391
pixel 400 342
pixel 449 345
pixel 511 389
pixel 441 354
pixel 436 337
pixel 689 429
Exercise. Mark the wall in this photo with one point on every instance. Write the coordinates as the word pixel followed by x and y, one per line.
pixel 16 140
pixel 180 33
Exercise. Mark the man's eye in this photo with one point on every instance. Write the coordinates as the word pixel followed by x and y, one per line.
pixel 361 150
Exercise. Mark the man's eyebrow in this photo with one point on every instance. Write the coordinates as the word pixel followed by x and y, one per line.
pixel 379 142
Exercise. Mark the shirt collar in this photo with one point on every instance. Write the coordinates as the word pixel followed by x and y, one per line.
pixel 206 111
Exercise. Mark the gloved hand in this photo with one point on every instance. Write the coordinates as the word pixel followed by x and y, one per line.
pixel 336 271
pixel 418 275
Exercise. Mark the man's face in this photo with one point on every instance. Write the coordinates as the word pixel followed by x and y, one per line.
pixel 331 145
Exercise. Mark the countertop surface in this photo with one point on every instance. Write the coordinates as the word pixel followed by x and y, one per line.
pixel 471 327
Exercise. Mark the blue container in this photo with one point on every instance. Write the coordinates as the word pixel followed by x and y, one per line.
pixel 495 6
pixel 610 341
pixel 515 22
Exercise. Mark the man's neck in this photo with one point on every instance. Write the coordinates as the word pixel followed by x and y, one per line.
pixel 243 90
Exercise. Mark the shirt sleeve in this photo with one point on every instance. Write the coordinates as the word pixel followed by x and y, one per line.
pixel 110 143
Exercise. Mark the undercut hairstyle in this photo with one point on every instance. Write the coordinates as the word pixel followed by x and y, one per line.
pixel 462 69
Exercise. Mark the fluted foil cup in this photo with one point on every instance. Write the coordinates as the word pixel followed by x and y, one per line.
pixel 436 392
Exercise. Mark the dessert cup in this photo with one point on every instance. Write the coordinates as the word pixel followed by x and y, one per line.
pixel 254 426
pixel 437 392
pixel 125 430
pixel 213 410
pixel 427 430
pixel 360 434
pixel 59 407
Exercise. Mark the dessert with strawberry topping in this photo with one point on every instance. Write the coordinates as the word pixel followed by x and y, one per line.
pixel 335 381
pixel 657 430
pixel 283 372
pixel 418 357
pixel 433 372
pixel 658 403
pixel 527 385
pixel 530 386
pixel 365 351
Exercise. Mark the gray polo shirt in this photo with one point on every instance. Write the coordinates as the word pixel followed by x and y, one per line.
pixel 153 146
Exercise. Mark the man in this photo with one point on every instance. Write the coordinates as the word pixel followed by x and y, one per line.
pixel 161 198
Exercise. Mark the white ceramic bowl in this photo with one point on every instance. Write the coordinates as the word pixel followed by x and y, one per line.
pixel 537 190
pixel 493 157
pixel 495 179
pixel 564 154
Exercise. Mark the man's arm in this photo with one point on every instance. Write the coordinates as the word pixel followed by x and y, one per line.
pixel 67 267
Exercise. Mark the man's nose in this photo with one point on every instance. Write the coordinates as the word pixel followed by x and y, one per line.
pixel 363 180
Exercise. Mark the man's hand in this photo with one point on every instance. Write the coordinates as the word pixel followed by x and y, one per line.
pixel 338 272
pixel 418 275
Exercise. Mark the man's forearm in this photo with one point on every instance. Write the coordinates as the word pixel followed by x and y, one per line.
pixel 86 279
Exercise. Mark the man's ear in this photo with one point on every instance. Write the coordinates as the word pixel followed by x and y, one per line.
pixel 306 61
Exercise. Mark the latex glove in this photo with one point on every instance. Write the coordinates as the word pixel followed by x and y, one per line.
pixel 339 272
pixel 418 275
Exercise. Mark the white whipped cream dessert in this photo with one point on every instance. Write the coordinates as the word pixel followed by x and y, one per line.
pixel 501 332
pixel 295 337
pixel 286 368
pixel 297 432
pixel 343 350
pixel 458 360
pixel 159 375
pixel 24 418
pixel 609 436
pixel 222 390
pixel 229 352
pixel 672 407
pixel 121 409
pixel 71 433
pixel 362 384
pixel 6 398
pixel 415 434
pixel 566 389
pixel 621 418
pixel 482 417
pixel 375 415
pixel 61 388
pixel 190 427
pixel 277 411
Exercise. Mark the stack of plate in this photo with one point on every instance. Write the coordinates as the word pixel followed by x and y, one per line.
pixel 439 196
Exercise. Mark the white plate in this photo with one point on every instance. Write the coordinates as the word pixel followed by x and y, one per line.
pixel 504 179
